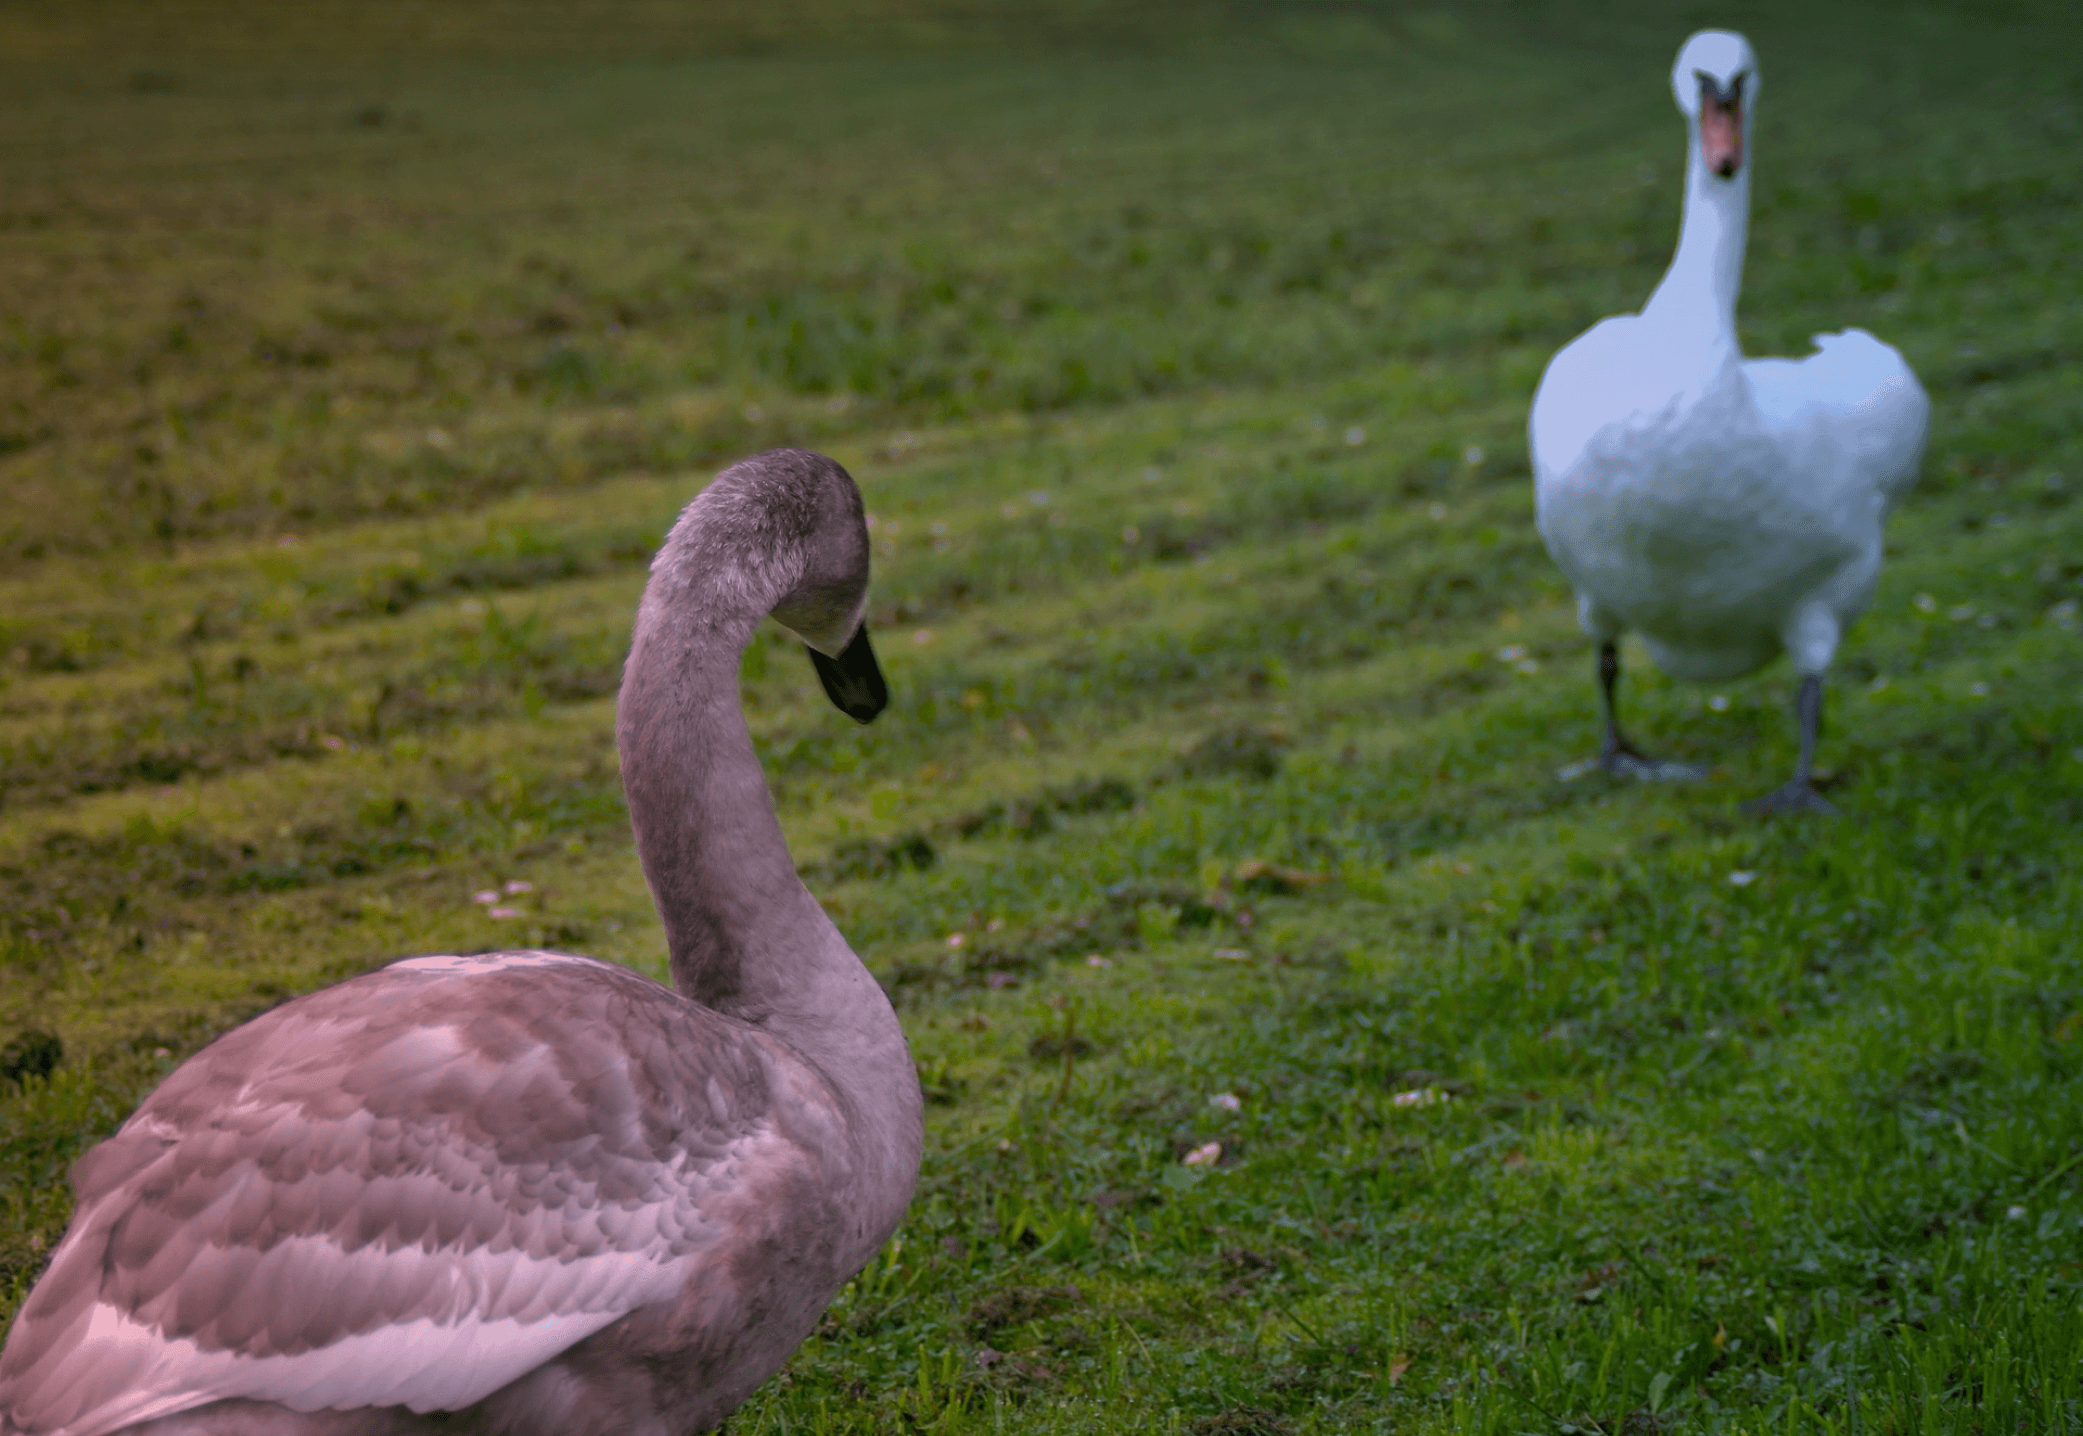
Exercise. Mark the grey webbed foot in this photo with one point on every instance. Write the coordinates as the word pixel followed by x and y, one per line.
pixel 1797 795
pixel 1616 755
pixel 1626 762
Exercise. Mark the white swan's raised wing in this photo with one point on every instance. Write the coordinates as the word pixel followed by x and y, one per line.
pixel 1852 410
pixel 381 1198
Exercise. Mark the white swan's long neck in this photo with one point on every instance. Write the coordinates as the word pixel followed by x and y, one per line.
pixel 1697 299
pixel 743 934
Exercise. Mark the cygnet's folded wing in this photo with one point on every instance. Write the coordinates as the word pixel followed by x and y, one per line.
pixel 407 1190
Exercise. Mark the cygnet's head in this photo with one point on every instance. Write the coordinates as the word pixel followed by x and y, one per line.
pixel 1716 83
pixel 780 533
pixel 826 607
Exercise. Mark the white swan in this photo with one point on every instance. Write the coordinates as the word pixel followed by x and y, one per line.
pixel 526 1192
pixel 1724 509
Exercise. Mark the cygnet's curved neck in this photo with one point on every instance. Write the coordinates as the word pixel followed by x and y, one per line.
pixel 706 829
pixel 743 934
pixel 1697 298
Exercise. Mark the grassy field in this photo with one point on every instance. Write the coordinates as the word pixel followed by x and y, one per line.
pixel 353 361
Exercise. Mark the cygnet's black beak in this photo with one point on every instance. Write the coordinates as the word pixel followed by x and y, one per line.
pixel 853 680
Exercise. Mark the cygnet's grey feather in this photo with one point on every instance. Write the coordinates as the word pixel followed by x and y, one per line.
pixel 524 1192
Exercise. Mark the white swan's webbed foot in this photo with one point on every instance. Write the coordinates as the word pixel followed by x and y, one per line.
pixel 1616 755
pixel 1628 763
pixel 1796 795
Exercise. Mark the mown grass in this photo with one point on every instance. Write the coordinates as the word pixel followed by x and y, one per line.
pixel 354 365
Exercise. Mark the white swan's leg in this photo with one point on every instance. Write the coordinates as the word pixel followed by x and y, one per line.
pixel 1811 641
pixel 1616 754
pixel 1798 794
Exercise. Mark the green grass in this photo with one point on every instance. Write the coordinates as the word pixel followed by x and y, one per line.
pixel 351 367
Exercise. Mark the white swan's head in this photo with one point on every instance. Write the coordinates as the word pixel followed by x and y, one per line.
pixel 1716 83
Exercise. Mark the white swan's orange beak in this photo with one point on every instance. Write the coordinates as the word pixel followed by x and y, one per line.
pixel 1721 128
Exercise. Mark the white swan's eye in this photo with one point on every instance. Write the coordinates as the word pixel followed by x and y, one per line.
pixel 1729 96
pixel 1717 92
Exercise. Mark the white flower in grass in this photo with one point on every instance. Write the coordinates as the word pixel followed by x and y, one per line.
pixel 1227 1101
pixel 1742 878
pixel 2016 1214
pixel 1206 1156
pixel 1419 1097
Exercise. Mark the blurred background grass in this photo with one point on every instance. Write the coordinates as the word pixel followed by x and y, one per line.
pixel 353 360
pixel 269 268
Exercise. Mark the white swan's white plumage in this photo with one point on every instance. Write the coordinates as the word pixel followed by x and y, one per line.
pixel 1725 509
